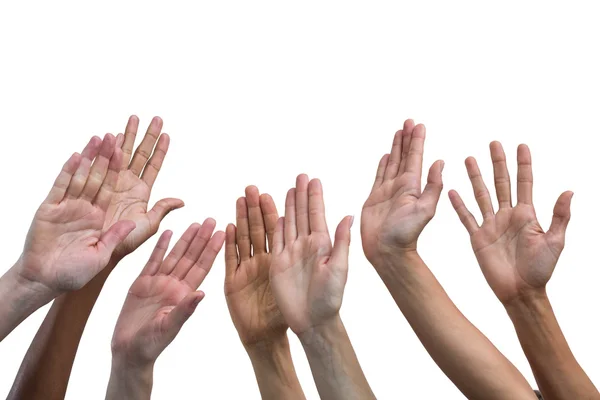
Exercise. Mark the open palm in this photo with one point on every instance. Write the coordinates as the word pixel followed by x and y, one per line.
pixel 308 275
pixel 397 211
pixel 514 252
pixel 248 260
pixel 68 242
pixel 164 296
pixel 136 178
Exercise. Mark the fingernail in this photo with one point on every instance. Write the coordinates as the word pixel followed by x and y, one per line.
pixel 196 301
pixel 351 220
pixel 443 165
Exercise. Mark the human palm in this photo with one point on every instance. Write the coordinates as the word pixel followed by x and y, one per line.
pixel 132 194
pixel 396 211
pixel 68 242
pixel 514 252
pixel 308 275
pixel 248 291
pixel 164 296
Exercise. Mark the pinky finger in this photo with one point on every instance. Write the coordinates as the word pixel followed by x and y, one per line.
pixel 59 189
pixel 467 219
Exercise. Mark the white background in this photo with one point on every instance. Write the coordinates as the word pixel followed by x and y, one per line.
pixel 258 92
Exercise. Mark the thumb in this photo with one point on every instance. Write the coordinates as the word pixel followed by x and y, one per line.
pixel 433 189
pixel 115 235
pixel 341 246
pixel 161 209
pixel 562 215
pixel 181 313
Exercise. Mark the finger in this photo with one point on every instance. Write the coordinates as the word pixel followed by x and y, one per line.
pixel 179 249
pixel 278 236
pixel 381 171
pixel 561 217
pixel 107 189
pixel 113 237
pixel 341 246
pixel 175 319
pixel 144 150
pixel 153 166
pixel 99 168
pixel 158 254
pixel 482 195
pixel 501 176
pixel 231 255
pixel 467 219
pixel 407 132
pixel 195 249
pixel 59 189
pixel 129 139
pixel 414 161
pixel 302 220
pixel 291 232
pixel 202 267
pixel 431 194
pixel 255 221
pixel 161 209
pixel 243 229
pixel 524 176
pixel 80 177
pixel 120 141
pixel 395 156
pixel 316 207
pixel 270 217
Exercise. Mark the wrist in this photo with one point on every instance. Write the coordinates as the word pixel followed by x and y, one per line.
pixel 527 301
pixel 326 331
pixel 271 345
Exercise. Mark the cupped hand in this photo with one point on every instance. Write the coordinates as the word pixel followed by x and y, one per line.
pixel 68 242
pixel 136 178
pixel 308 275
pixel 513 251
pixel 164 296
pixel 248 260
pixel 397 210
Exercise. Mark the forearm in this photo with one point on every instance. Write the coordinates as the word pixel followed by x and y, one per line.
pixel 556 370
pixel 462 352
pixel 274 369
pixel 129 382
pixel 46 368
pixel 334 364
pixel 19 298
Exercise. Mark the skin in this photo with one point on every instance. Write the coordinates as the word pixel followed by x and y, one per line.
pixel 68 242
pixel 258 320
pixel 517 259
pixel 58 338
pixel 159 302
pixel 308 276
pixel 393 217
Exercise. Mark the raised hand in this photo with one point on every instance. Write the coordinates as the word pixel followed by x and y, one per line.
pixel 164 296
pixel 247 260
pixel 308 275
pixel 136 178
pixel 513 251
pixel 69 242
pixel 397 210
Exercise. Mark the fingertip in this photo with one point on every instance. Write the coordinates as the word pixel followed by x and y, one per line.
pixel 133 118
pixel 302 178
pixel 195 225
pixel 250 190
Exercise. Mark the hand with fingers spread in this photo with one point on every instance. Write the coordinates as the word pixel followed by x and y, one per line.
pixel 397 210
pixel 68 242
pixel 515 254
pixel 517 259
pixel 392 220
pixel 308 276
pixel 259 323
pixel 136 178
pixel 159 302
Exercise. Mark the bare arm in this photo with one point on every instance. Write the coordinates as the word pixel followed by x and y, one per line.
pixel 517 259
pixel 393 217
